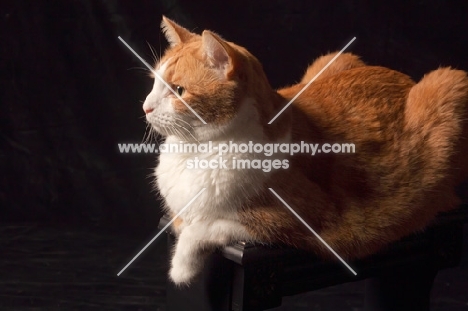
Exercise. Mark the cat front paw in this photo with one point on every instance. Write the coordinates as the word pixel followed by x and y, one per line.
pixel 182 276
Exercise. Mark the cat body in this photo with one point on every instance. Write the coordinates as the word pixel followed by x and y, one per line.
pixel 409 139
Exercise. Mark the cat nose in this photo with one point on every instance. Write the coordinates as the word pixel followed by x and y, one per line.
pixel 148 110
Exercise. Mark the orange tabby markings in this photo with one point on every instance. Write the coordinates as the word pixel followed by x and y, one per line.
pixel 410 141
pixel 317 75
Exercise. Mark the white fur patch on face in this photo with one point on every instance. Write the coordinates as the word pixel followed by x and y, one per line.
pixel 158 105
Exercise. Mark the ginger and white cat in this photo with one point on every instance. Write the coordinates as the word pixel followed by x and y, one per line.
pixel 410 141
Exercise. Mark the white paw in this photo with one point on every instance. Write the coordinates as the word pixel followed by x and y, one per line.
pixel 182 275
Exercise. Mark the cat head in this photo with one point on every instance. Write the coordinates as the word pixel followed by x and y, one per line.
pixel 206 87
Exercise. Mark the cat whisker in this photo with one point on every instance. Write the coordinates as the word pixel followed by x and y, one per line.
pixel 160 47
pixel 181 120
pixel 179 133
pixel 152 134
pixel 155 135
pixel 144 140
pixel 189 131
pixel 155 57
pixel 171 130
pixel 187 137
pixel 139 68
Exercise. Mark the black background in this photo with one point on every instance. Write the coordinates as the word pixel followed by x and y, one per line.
pixel 71 91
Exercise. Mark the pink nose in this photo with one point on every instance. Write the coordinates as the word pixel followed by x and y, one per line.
pixel 148 110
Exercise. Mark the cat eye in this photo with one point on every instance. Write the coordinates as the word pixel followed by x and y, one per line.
pixel 180 90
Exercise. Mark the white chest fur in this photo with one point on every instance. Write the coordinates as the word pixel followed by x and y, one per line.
pixel 225 189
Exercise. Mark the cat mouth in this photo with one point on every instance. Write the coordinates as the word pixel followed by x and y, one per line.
pixel 168 124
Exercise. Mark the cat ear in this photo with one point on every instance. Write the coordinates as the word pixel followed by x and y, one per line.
pixel 175 33
pixel 217 51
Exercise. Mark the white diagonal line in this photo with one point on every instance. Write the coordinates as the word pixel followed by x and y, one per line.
pixel 162 230
pixel 161 79
pixel 310 82
pixel 313 231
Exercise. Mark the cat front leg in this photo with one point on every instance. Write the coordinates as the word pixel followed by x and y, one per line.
pixel 196 241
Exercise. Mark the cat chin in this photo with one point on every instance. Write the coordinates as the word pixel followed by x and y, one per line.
pixel 197 135
pixel 168 124
pixel 208 133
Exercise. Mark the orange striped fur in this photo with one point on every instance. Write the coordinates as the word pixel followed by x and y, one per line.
pixel 410 138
